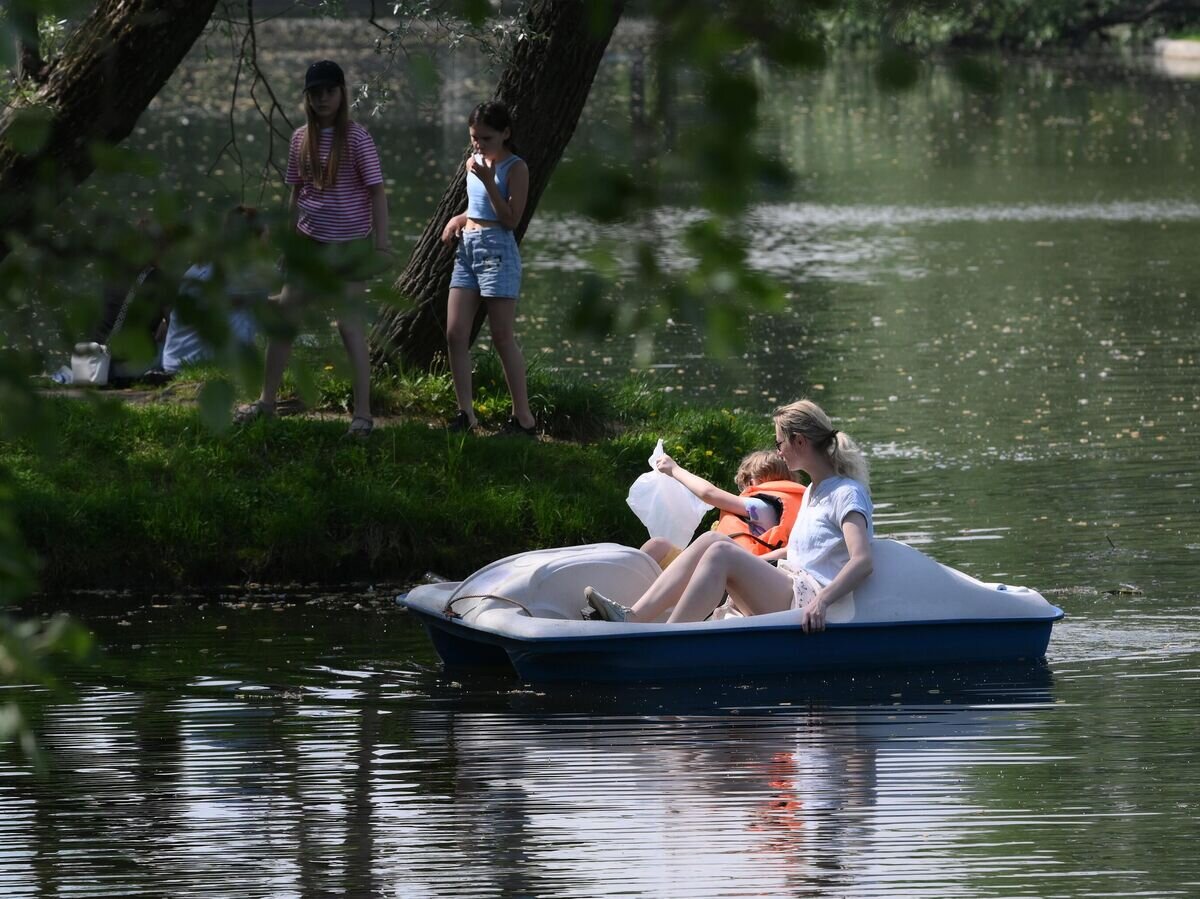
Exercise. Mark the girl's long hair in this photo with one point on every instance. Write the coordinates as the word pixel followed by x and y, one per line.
pixel 807 418
pixel 310 152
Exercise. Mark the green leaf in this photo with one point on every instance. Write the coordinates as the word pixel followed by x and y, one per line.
pixel 897 70
pixel 114 160
pixel 216 400
pixel 29 129
pixel 795 51
pixel 8 60
pixel 423 73
pixel 977 74
pixel 592 314
pixel 476 11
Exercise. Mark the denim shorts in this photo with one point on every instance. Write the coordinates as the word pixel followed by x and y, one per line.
pixel 488 261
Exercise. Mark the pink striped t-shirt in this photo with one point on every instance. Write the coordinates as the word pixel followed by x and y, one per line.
pixel 343 211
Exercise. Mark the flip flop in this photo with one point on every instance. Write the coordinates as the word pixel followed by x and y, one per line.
pixel 249 412
pixel 360 427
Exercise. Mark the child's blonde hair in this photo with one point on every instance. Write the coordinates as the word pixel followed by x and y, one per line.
pixel 762 465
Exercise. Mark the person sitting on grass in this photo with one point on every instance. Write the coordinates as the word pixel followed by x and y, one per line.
pixel 828 553
pixel 184 343
pixel 758 518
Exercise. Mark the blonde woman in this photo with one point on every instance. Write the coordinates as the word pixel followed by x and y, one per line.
pixel 828 553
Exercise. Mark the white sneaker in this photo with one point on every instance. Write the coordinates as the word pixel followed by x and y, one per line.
pixel 605 607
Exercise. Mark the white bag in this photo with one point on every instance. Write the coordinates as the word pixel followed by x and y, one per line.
pixel 90 361
pixel 665 506
pixel 89 364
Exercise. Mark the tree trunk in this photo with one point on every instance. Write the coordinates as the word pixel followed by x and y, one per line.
pixel 545 86
pixel 111 68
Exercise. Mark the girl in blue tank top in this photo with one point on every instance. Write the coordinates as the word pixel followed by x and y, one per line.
pixel 487 265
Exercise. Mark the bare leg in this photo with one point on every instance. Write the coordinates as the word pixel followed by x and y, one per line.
pixel 502 314
pixel 353 328
pixel 667 589
pixel 460 318
pixel 657 549
pixel 756 586
pixel 279 350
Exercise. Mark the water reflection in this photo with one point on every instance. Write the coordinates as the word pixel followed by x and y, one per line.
pixel 495 790
pixel 352 765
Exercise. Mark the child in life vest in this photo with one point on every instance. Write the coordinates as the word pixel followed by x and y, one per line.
pixel 758 517
pixel 827 555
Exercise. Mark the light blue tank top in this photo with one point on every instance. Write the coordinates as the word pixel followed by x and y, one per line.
pixel 479 204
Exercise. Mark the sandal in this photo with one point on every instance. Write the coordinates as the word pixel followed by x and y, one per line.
pixel 249 412
pixel 460 424
pixel 360 427
pixel 513 428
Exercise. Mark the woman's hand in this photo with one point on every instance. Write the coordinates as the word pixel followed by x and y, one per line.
pixel 482 168
pixel 813 619
pixel 666 465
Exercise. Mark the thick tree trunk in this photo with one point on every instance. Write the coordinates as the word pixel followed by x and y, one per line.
pixel 545 86
pixel 111 68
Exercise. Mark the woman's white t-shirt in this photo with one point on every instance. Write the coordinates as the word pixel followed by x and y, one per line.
pixel 816 543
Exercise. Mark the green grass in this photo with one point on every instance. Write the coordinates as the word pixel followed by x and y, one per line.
pixel 145 496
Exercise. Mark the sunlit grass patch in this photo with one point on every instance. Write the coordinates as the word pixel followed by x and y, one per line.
pixel 146 496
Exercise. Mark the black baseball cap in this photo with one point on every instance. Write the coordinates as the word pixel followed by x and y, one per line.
pixel 324 73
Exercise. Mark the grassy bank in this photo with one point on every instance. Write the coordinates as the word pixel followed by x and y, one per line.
pixel 145 496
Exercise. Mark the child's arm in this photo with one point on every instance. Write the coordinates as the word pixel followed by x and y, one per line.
pixel 454 228
pixel 710 493
pixel 379 218
pixel 294 208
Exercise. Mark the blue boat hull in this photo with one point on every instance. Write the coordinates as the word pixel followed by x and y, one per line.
pixel 742 652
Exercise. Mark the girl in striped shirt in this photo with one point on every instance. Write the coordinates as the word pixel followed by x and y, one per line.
pixel 338 203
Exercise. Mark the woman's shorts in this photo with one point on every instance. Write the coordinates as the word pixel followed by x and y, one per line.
pixel 804 585
pixel 488 261
pixel 672 554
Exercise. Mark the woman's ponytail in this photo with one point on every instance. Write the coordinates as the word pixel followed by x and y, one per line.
pixel 848 459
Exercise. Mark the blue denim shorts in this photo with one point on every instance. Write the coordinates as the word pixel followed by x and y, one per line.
pixel 488 261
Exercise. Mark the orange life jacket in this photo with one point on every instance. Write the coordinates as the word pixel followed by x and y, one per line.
pixel 789 493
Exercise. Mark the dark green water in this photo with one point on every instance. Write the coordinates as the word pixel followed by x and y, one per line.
pixel 997 297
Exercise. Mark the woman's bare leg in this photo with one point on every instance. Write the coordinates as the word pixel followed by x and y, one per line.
pixel 461 307
pixel 667 589
pixel 757 587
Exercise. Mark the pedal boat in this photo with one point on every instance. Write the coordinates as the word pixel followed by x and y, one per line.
pixel 524 614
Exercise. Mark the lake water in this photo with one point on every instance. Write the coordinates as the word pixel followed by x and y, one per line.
pixel 996 296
